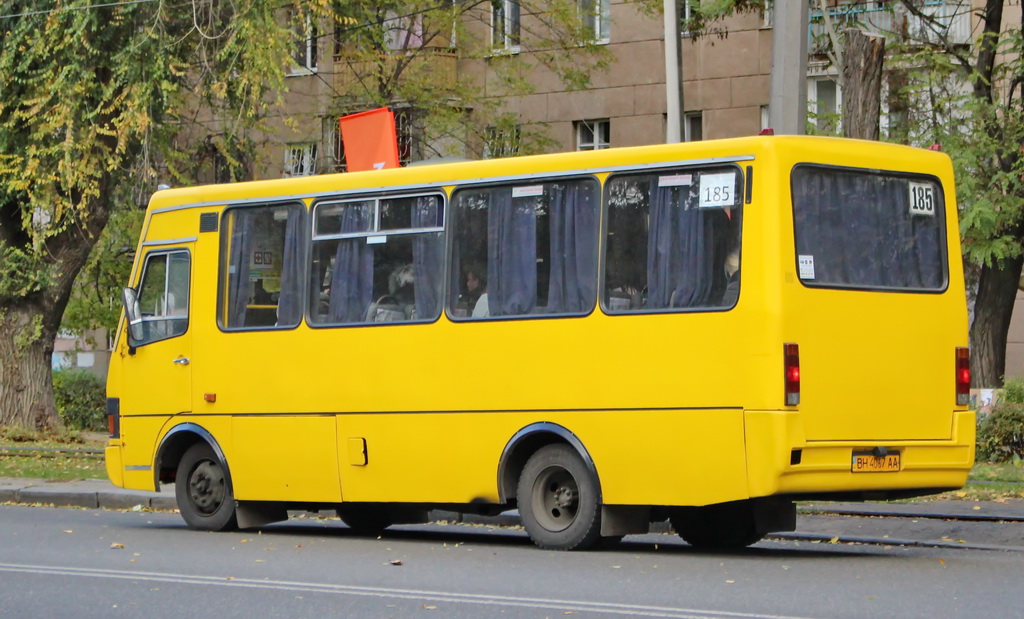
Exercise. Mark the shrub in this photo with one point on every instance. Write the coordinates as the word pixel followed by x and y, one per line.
pixel 1001 432
pixel 1013 391
pixel 80 398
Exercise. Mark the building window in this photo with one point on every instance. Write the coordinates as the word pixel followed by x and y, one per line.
pixel 304 53
pixel 299 160
pixel 593 134
pixel 693 126
pixel 824 101
pixel 505 25
pixel 502 142
pixel 596 18
pixel 404 134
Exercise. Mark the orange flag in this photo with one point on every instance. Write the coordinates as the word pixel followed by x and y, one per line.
pixel 369 140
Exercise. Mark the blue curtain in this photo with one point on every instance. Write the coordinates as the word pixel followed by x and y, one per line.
pixel 679 253
pixel 573 224
pixel 428 257
pixel 238 266
pixel 352 279
pixel 859 230
pixel 289 307
pixel 511 254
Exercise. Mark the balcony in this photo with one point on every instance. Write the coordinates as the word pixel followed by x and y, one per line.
pixel 356 74
pixel 954 22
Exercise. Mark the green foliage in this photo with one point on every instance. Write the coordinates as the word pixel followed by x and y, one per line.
pixel 1013 391
pixel 80 398
pixel 1001 433
pixel 95 302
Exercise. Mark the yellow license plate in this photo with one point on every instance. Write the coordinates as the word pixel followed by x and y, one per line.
pixel 870 463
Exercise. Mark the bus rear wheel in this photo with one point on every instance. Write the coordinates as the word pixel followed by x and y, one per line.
pixel 203 490
pixel 717 527
pixel 559 500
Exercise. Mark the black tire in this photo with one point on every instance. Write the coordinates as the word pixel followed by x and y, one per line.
pixel 203 490
pixel 560 500
pixel 365 519
pixel 717 527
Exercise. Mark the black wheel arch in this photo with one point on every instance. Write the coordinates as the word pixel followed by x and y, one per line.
pixel 174 445
pixel 524 444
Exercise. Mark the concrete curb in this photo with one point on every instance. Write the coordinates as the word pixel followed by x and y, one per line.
pixel 90 494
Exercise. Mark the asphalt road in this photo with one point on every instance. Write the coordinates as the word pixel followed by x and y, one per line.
pixel 95 563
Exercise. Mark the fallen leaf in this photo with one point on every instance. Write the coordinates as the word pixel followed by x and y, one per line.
pixel 976 507
pixel 68 531
pixel 117 546
pixel 396 562
pixel 615 567
pixel 425 607
pixel 730 581
pixel 942 561
pixel 834 540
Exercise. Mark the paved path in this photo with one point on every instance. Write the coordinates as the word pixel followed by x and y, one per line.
pixel 997 525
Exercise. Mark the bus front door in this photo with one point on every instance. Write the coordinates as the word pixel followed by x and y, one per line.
pixel 156 376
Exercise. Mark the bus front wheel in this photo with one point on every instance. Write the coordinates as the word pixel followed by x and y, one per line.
pixel 559 500
pixel 203 490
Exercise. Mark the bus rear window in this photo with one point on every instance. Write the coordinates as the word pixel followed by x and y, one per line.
pixel 864 229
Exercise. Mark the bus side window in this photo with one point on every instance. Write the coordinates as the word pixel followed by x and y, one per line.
pixel 262 254
pixel 377 260
pixel 672 240
pixel 528 249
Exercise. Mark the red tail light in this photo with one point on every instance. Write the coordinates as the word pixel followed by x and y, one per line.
pixel 963 376
pixel 791 360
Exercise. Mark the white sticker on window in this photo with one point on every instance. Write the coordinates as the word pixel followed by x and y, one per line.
pixel 806 265
pixel 717 190
pixel 678 180
pixel 922 199
pixel 528 192
pixel 376 240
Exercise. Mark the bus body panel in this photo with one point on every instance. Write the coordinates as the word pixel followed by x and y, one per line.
pixel 453 457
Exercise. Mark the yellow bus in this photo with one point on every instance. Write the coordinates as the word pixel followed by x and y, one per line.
pixel 568 335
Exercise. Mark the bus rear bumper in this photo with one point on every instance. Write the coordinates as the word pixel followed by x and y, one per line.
pixel 824 469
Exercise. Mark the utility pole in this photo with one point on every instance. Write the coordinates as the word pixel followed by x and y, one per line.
pixel 673 73
pixel 787 110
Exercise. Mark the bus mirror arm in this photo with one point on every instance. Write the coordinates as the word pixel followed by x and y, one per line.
pixel 132 311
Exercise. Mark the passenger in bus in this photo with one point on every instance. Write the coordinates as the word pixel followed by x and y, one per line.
pixel 732 275
pixel 473 302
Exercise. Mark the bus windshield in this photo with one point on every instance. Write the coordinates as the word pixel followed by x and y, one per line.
pixel 868 230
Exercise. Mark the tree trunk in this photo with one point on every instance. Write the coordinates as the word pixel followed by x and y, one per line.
pixel 26 383
pixel 862 84
pixel 997 289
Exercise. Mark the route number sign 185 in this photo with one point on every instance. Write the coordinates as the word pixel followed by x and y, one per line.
pixel 922 199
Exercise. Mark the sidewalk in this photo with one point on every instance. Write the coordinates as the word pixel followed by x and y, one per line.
pixel 984 525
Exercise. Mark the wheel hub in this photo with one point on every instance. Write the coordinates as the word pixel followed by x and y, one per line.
pixel 206 487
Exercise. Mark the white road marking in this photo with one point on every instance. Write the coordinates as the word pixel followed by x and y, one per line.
pixel 390 593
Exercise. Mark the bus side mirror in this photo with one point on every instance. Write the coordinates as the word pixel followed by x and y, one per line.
pixel 130 299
